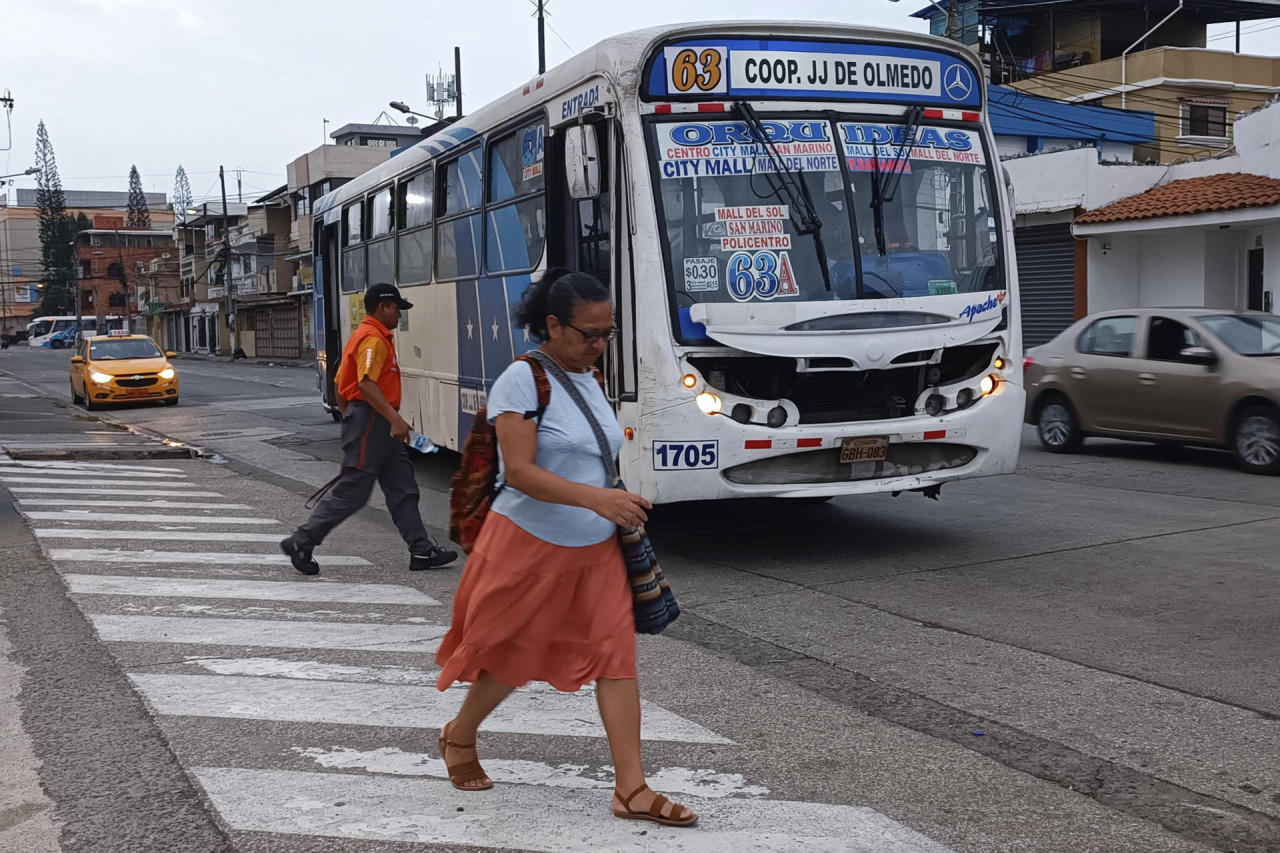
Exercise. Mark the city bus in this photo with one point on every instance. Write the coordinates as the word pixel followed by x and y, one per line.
pixel 41 328
pixel 805 229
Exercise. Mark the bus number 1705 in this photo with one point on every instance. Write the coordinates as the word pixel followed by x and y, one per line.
pixel 685 455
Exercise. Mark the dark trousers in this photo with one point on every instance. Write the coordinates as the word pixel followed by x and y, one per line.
pixel 370 454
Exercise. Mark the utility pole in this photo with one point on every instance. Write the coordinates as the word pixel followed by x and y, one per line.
pixel 542 40
pixel 457 80
pixel 226 266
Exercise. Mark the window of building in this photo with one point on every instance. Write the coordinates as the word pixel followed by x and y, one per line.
pixel 1205 118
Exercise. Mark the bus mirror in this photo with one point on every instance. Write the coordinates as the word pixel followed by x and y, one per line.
pixel 582 161
pixel 1008 188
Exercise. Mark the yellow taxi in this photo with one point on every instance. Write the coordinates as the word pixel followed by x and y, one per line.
pixel 122 368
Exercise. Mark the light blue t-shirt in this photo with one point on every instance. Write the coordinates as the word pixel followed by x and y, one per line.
pixel 566 446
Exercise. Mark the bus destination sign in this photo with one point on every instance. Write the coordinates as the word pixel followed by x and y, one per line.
pixel 805 70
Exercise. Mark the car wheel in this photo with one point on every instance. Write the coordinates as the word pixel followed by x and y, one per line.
pixel 89 405
pixel 75 398
pixel 1256 441
pixel 1057 427
pixel 170 401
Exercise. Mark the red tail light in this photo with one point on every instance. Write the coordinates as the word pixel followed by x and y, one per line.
pixel 1027 361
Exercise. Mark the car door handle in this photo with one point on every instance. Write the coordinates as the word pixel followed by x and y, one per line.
pixel 1147 378
pixel 1079 372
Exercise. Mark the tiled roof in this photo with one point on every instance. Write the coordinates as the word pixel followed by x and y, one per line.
pixel 1231 191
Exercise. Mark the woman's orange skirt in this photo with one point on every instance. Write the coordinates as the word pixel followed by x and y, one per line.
pixel 527 610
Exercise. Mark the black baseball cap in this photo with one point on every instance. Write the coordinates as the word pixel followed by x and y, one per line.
pixel 381 293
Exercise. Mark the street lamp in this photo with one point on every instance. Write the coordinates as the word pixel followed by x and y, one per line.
pixel 948 12
pixel 404 108
pixel 32 171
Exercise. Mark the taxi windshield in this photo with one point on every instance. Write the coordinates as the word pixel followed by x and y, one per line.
pixel 886 218
pixel 124 349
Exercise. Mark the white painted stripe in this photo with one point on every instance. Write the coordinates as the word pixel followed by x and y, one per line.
pixel 391 761
pixel 534 817
pixel 62 481
pixel 8 468
pixel 88 515
pixel 134 492
pixel 389 705
pixel 331 592
pixel 311 670
pixel 156 504
pixel 214 558
pixel 423 639
pixel 99 467
pixel 173 535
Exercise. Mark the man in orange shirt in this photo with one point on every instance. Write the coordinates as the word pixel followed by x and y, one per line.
pixel 374 442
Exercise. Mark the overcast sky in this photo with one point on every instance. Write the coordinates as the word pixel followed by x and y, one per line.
pixel 248 85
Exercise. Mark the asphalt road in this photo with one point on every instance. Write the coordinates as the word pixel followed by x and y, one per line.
pixel 1106 620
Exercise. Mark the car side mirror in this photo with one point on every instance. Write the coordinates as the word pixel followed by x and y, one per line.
pixel 1199 355
pixel 170 354
pixel 77 359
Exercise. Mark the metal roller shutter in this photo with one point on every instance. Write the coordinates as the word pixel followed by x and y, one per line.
pixel 1046 278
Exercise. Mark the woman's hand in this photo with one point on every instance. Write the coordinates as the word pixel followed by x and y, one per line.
pixel 621 507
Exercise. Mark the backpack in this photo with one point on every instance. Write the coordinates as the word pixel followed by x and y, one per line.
pixel 475 485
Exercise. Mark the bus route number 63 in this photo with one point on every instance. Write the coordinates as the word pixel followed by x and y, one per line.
pixel 685 455
pixel 696 70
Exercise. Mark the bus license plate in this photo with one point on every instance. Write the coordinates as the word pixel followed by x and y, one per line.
pixel 136 392
pixel 872 449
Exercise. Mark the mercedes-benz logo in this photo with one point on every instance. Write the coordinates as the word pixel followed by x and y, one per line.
pixel 958 82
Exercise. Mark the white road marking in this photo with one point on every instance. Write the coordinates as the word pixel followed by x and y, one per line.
pixel 180 535
pixel 156 504
pixel 248 405
pixel 534 817
pixel 388 705
pixel 89 515
pixel 8 468
pixel 325 591
pixel 213 558
pixel 134 492
pixel 62 481
pixel 310 670
pixel 97 467
pixel 391 761
pixel 423 639
pixel 287 612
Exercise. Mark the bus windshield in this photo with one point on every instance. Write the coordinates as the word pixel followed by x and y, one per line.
pixel 907 221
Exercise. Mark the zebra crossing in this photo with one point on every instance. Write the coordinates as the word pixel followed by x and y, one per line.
pixel 337 673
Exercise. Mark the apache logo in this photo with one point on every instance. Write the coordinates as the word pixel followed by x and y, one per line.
pixel 993 302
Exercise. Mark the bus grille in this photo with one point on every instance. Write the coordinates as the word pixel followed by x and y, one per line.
pixel 824 466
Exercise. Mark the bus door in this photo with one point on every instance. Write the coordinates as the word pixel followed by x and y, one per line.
pixel 596 239
pixel 328 307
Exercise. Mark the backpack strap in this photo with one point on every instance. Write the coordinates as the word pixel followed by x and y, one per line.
pixel 543 385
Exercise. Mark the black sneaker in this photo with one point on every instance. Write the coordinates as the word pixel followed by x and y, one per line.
pixel 436 558
pixel 300 556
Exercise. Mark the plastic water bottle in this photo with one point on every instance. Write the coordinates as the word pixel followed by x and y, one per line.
pixel 421 443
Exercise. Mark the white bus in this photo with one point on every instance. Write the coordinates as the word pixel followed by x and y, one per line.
pixel 805 229
pixel 41 329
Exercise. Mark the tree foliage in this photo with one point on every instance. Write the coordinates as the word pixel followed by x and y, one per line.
pixel 138 215
pixel 57 255
pixel 182 198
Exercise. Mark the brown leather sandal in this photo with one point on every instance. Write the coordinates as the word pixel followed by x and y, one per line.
pixel 655 810
pixel 467 771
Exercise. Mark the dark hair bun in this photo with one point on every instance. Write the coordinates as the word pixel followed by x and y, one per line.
pixel 556 294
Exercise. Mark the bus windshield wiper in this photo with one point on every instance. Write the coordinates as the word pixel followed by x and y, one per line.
pixel 894 177
pixel 786 184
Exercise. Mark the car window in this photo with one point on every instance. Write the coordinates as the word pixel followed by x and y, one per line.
pixel 1247 334
pixel 1166 339
pixel 120 350
pixel 1109 336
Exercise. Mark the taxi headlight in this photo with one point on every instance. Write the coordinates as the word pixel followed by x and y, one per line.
pixel 100 378
pixel 168 373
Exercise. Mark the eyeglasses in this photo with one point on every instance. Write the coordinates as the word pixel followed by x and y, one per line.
pixel 593 337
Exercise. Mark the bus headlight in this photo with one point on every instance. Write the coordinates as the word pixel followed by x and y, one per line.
pixel 167 373
pixel 988 384
pixel 100 378
pixel 709 403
